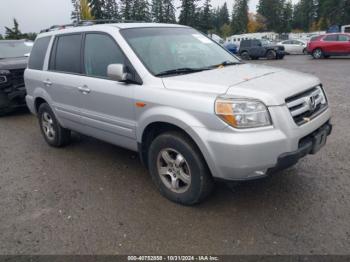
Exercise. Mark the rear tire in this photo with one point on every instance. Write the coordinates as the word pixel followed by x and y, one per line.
pixel 245 55
pixel 318 53
pixel 305 52
pixel 271 55
pixel 54 134
pixel 178 169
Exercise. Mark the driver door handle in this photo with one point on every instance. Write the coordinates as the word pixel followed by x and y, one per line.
pixel 84 89
pixel 47 83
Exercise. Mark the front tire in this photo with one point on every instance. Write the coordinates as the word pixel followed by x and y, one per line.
pixel 178 169
pixel 55 135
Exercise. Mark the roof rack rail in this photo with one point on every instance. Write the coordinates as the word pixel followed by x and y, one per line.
pixel 108 21
pixel 88 23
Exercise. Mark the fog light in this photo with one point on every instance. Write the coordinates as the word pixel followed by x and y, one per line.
pixel 3 79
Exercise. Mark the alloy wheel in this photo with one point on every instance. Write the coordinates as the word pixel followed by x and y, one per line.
pixel 48 126
pixel 174 170
pixel 318 54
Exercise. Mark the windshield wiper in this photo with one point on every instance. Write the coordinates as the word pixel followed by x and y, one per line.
pixel 179 71
pixel 225 63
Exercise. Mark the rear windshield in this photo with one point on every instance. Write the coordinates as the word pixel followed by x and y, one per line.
pixel 13 49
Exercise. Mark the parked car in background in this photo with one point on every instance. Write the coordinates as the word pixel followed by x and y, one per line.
pixel 232 48
pixel 294 47
pixel 13 61
pixel 255 49
pixel 202 117
pixel 328 45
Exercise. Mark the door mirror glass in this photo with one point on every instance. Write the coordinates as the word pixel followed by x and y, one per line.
pixel 118 72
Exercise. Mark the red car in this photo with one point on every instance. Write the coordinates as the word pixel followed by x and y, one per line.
pixel 324 46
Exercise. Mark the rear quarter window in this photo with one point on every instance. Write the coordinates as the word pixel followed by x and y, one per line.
pixel 344 38
pixel 38 53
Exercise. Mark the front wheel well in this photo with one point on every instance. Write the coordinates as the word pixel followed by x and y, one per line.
pixel 152 131
pixel 38 102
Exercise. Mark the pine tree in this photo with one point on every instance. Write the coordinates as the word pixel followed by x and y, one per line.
pixel 205 18
pixel 188 12
pixel 75 16
pixel 286 18
pixel 126 9
pixel 239 23
pixel 13 33
pixel 140 11
pixel 224 15
pixel 111 9
pixel 169 11
pixel 305 14
pixel 97 8
pixel 157 11
pixel 272 10
pixel 215 19
pixel 334 12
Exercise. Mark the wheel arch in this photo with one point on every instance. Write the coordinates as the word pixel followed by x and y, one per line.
pixel 156 128
pixel 38 102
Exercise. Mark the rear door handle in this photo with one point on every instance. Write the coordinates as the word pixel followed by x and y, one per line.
pixel 47 83
pixel 84 89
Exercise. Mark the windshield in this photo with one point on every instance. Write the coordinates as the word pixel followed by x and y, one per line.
pixel 11 49
pixel 170 49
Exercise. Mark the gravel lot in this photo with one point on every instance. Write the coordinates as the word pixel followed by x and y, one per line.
pixel 95 198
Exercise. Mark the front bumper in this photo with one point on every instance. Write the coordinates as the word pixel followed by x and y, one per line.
pixel 306 147
pixel 251 154
pixel 281 53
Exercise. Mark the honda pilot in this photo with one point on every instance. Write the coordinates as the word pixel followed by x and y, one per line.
pixel 194 112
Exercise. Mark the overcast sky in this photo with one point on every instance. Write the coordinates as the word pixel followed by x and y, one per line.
pixel 34 15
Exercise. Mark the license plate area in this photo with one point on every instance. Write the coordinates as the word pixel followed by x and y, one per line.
pixel 319 139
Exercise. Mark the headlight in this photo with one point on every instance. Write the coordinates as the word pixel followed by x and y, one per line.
pixel 243 113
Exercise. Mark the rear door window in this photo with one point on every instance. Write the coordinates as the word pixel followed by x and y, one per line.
pixel 38 53
pixel 67 54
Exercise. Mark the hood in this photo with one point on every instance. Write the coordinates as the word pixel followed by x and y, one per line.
pixel 13 63
pixel 268 84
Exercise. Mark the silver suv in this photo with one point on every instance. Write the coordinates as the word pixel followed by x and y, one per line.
pixel 193 111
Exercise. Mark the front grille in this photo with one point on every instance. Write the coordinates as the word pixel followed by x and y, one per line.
pixel 306 106
pixel 17 77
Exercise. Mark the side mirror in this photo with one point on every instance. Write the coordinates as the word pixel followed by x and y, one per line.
pixel 118 73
